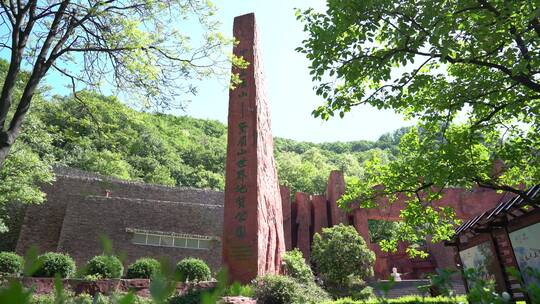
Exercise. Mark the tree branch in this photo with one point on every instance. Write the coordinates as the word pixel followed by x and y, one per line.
pixel 520 78
pixel 521 193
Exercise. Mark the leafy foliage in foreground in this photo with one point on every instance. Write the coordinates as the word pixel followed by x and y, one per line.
pixel 403 300
pixel 237 289
pixel 88 299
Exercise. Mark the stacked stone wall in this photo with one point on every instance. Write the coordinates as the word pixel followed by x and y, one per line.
pixel 83 183
pixel 83 227
pixel 81 206
pixel 42 223
pixel 13 217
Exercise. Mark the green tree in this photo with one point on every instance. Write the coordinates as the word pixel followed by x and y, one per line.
pixel 467 70
pixel 306 172
pixel 136 46
pixel 30 163
pixel 382 230
pixel 341 254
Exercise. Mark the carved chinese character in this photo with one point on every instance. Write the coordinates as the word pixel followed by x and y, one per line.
pixel 241 163
pixel 241 175
pixel 241 189
pixel 243 140
pixel 242 151
pixel 241 202
pixel 241 216
pixel 240 231
pixel 242 126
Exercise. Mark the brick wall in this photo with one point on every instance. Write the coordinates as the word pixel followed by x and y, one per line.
pixel 13 216
pixel 81 206
pixel 83 183
pixel 42 223
pixel 88 218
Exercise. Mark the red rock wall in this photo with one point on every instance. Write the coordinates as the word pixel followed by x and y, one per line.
pixel 253 238
pixel 334 190
pixel 320 213
pixel 294 224
pixel 286 209
pixel 303 219
pixel 466 203
pixel 361 224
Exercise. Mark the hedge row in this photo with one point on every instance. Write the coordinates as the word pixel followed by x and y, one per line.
pixel 404 300
pixel 51 264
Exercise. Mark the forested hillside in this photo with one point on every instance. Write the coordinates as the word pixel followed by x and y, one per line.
pixel 101 134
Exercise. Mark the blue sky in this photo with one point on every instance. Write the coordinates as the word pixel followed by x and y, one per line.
pixel 289 86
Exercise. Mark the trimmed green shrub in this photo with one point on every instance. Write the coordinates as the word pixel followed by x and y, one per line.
pixel 340 254
pixel 105 267
pixel 52 263
pixel 10 263
pixel 143 268
pixel 193 270
pixel 278 289
pixel 295 266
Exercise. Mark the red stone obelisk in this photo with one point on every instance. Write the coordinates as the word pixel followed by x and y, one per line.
pixel 253 239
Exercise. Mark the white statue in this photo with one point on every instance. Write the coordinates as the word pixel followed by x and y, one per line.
pixel 396 275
